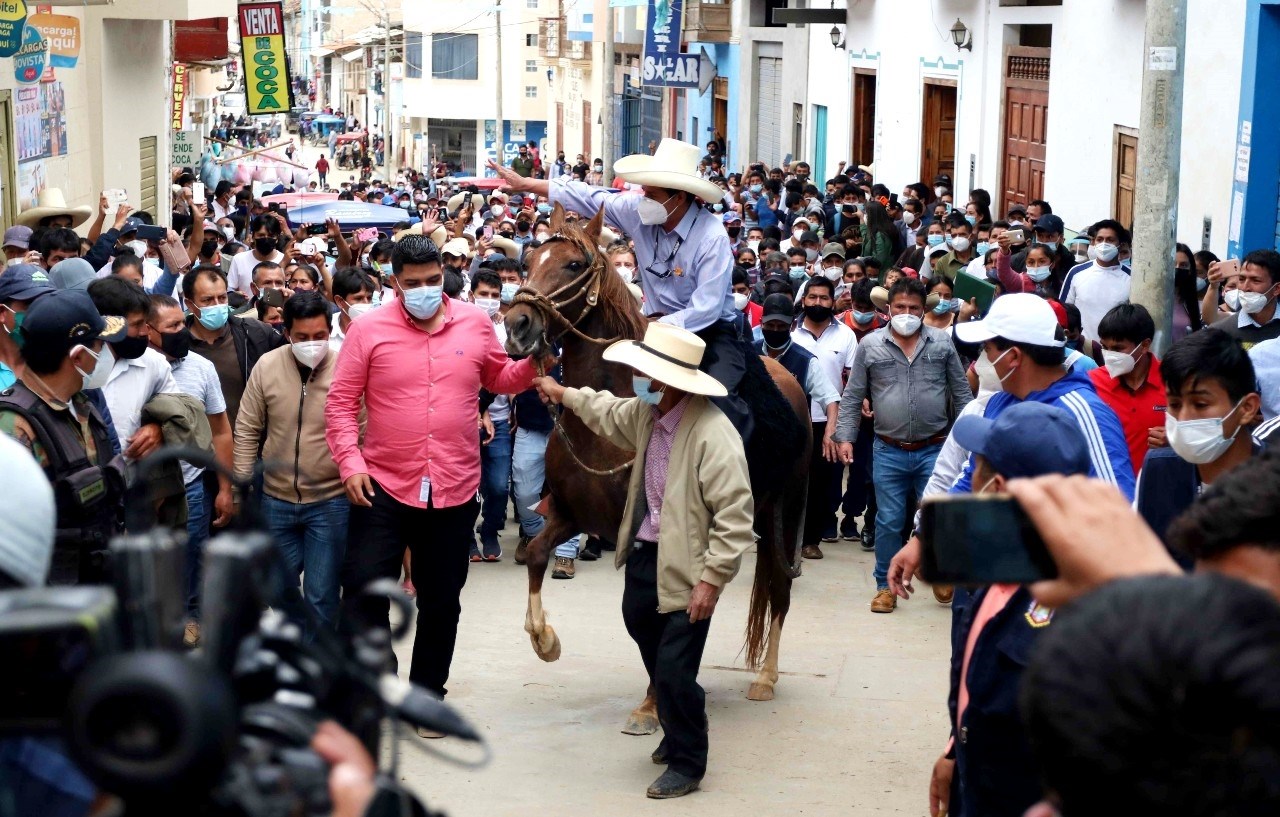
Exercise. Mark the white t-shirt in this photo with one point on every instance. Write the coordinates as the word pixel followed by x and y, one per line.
pixel 197 377
pixel 834 351
pixel 1095 290
pixel 241 274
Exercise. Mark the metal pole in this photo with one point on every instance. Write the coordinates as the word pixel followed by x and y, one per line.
pixel 1159 164
pixel 499 142
pixel 386 91
pixel 607 92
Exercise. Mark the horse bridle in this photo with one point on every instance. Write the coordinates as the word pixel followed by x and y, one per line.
pixel 587 283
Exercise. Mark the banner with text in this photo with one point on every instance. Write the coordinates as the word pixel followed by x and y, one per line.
pixel 266 73
pixel 63 33
pixel 184 151
pixel 663 65
pixel 178 95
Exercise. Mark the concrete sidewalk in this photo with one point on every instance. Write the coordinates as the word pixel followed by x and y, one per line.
pixel 859 717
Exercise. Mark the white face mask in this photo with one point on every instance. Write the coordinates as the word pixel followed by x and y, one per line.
pixel 908 218
pixel 1199 441
pixel 139 248
pixel 754 244
pixel 489 305
pixel 651 212
pixel 988 380
pixel 834 274
pixel 1232 299
pixel 356 310
pixel 1120 364
pixel 795 235
pixel 905 325
pixel 624 272
pixel 960 244
pixel 939 191
pixel 542 237
pixel 97 378
pixel 1252 303
pixel 739 301
pixel 1106 253
pixel 310 352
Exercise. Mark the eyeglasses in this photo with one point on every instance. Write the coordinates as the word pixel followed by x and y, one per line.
pixel 667 263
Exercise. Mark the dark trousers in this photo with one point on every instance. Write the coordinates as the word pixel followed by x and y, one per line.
pixel 824 491
pixel 438 539
pixel 671 649
pixel 726 360
pixel 860 493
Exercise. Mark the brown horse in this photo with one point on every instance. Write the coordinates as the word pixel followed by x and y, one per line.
pixel 574 298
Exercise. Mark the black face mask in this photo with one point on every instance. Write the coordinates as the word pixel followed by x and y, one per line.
pixel 817 314
pixel 734 232
pixel 507 234
pixel 176 344
pixel 129 348
pixel 848 209
pixel 264 246
pixel 775 338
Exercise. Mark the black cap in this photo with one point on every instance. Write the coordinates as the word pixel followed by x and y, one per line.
pixel 24 282
pixel 808 236
pixel 65 318
pixel 778 307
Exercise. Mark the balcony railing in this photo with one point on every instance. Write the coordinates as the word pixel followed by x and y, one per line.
pixel 708 21
pixel 552 43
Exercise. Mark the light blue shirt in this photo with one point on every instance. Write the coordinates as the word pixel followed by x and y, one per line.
pixel 7 378
pixel 698 290
pixel 1266 365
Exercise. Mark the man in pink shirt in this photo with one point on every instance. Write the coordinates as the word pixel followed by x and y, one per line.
pixel 416 367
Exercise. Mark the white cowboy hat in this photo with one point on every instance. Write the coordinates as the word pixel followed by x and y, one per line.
pixel 52 203
pixel 673 166
pixel 457 247
pixel 870 169
pixel 670 355
pixel 505 246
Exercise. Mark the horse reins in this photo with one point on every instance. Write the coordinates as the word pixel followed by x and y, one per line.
pixel 587 283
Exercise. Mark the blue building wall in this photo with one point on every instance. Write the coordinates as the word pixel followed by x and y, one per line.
pixel 700 106
pixel 1255 192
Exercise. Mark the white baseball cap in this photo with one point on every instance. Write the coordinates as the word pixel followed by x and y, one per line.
pixel 1020 317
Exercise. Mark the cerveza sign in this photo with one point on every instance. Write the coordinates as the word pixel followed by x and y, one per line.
pixel 266 73
pixel 13 19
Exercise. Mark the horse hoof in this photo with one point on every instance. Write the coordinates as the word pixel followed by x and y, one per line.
pixel 760 692
pixel 547 646
pixel 641 723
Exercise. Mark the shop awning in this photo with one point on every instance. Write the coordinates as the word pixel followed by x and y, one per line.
pixel 352 56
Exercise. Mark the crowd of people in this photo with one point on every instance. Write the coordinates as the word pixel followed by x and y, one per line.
pixel 944 348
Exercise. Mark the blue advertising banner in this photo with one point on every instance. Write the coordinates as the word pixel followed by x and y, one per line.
pixel 663 64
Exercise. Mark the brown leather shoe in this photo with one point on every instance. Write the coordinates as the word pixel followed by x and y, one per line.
pixel 943 593
pixel 884 601
pixel 564 568
pixel 191 634
pixel 811 552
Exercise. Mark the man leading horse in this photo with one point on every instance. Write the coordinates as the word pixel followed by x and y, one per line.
pixel 681 248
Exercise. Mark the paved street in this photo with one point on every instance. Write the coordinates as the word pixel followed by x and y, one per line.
pixel 858 720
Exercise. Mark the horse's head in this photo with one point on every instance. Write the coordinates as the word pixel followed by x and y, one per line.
pixel 565 277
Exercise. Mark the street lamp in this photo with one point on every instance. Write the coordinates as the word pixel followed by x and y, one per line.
pixel 960 36
pixel 836 40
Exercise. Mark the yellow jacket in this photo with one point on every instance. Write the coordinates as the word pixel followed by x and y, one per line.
pixel 707 509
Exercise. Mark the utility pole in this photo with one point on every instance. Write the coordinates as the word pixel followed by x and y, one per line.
pixel 386 91
pixel 1159 164
pixel 499 141
pixel 607 91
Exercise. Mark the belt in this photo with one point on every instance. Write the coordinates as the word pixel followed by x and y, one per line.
pixel 937 439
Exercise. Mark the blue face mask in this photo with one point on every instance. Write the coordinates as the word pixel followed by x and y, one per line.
pixel 756 188
pixel 215 317
pixel 798 273
pixel 509 292
pixel 1202 284
pixel 863 317
pixel 984 247
pixel 973 220
pixel 935 240
pixel 718 207
pixel 422 302
pixel 643 387
pixel 545 209
pixel 1039 274
pixel 943 307
pixel 1051 246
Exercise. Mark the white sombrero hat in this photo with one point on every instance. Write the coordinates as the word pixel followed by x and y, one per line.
pixel 52 203
pixel 670 355
pixel 673 166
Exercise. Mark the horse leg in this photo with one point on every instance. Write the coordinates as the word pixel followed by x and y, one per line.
pixel 544 639
pixel 761 688
pixel 644 718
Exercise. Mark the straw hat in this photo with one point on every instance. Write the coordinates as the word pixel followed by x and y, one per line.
pixel 673 166
pixel 880 299
pixel 52 203
pixel 506 246
pixel 670 355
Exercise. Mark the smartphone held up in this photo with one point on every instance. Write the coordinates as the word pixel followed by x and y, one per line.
pixel 981 539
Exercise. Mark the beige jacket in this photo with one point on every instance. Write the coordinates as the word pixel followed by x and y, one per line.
pixel 286 416
pixel 707 509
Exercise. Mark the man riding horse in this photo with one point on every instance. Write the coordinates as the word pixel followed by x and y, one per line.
pixel 681 248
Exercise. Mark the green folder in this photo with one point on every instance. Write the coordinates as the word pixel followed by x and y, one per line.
pixel 969 287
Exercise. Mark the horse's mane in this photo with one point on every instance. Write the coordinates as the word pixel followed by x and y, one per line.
pixel 617 307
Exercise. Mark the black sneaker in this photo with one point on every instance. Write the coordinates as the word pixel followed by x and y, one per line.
pixel 868 538
pixel 849 532
pixel 590 551
pixel 830 535
pixel 672 784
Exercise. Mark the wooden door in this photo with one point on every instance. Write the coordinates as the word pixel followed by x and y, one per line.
pixel 719 112
pixel 863 130
pixel 938 137
pixel 587 125
pixel 1026 122
pixel 1126 177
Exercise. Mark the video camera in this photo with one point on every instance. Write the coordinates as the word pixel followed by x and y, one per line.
pixel 225 730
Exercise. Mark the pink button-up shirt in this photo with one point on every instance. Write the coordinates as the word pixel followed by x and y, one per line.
pixel 656 461
pixel 420 391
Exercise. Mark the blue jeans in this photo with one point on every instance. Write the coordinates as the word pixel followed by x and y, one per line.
pixel 495 484
pixel 312 538
pixel 528 473
pixel 199 518
pixel 896 474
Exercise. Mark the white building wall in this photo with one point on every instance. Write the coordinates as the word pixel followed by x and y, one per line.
pixel 792 45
